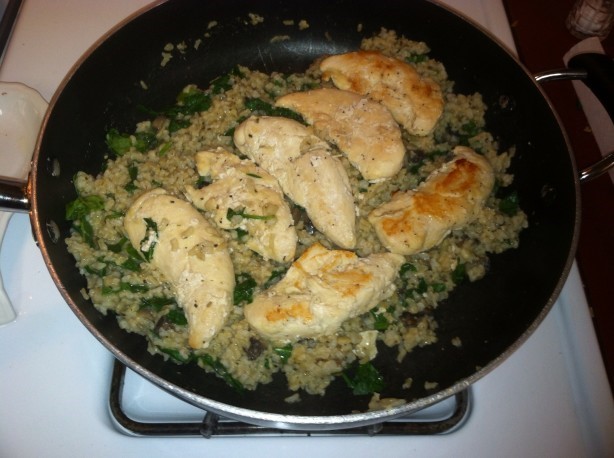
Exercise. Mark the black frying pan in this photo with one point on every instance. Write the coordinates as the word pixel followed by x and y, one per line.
pixel 492 317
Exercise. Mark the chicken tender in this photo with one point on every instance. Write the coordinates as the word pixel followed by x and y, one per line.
pixel 451 197
pixel 190 254
pixel 306 170
pixel 362 129
pixel 415 102
pixel 244 196
pixel 321 290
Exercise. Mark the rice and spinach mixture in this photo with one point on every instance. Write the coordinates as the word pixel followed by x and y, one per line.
pixel 160 153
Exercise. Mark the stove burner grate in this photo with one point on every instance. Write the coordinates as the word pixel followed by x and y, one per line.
pixel 214 425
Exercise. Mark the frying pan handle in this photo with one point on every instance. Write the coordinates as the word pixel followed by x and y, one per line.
pixel 599 76
pixel 14 195
pixel 597 72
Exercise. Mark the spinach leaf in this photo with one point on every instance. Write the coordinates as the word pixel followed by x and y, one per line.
pixel 241 234
pixel 124 286
pixel 176 316
pixel 118 143
pixel 118 246
pixel 178 124
pixel 407 294
pixel 275 276
pixel 422 287
pixel 191 100
pixel 83 206
pixel 134 260
pixel 86 230
pixel 366 379
pixel 221 371
pixel 438 287
pixel 256 104
pixel 202 182
pixel 416 58
pixel 78 211
pixel 164 149
pixel 509 205
pixel 133 172
pixel 407 267
pixel 155 303
pixel 98 272
pixel 224 83
pixel 380 322
pixel 284 352
pixel 221 84
pixel 231 213
pixel 149 242
pixel 459 273
pixel 244 289
pixel 308 86
pixel 145 141
pixel 468 130
pixel 132 264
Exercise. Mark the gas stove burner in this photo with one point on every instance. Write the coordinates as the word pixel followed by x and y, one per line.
pixel 456 410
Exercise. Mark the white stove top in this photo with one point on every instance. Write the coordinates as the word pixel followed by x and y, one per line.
pixel 550 398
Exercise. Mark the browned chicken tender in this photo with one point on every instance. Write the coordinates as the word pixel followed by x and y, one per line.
pixel 256 198
pixel 415 102
pixel 417 220
pixel 321 290
pixel 192 256
pixel 362 129
pixel 307 171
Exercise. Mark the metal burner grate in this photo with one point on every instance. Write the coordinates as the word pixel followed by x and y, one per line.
pixel 212 425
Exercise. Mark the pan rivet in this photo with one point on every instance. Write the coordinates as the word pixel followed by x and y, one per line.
pixel 53 231
pixel 53 167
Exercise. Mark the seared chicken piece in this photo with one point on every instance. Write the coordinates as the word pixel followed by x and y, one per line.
pixel 244 196
pixel 321 290
pixel 362 129
pixel 306 170
pixel 190 254
pixel 417 220
pixel 415 102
